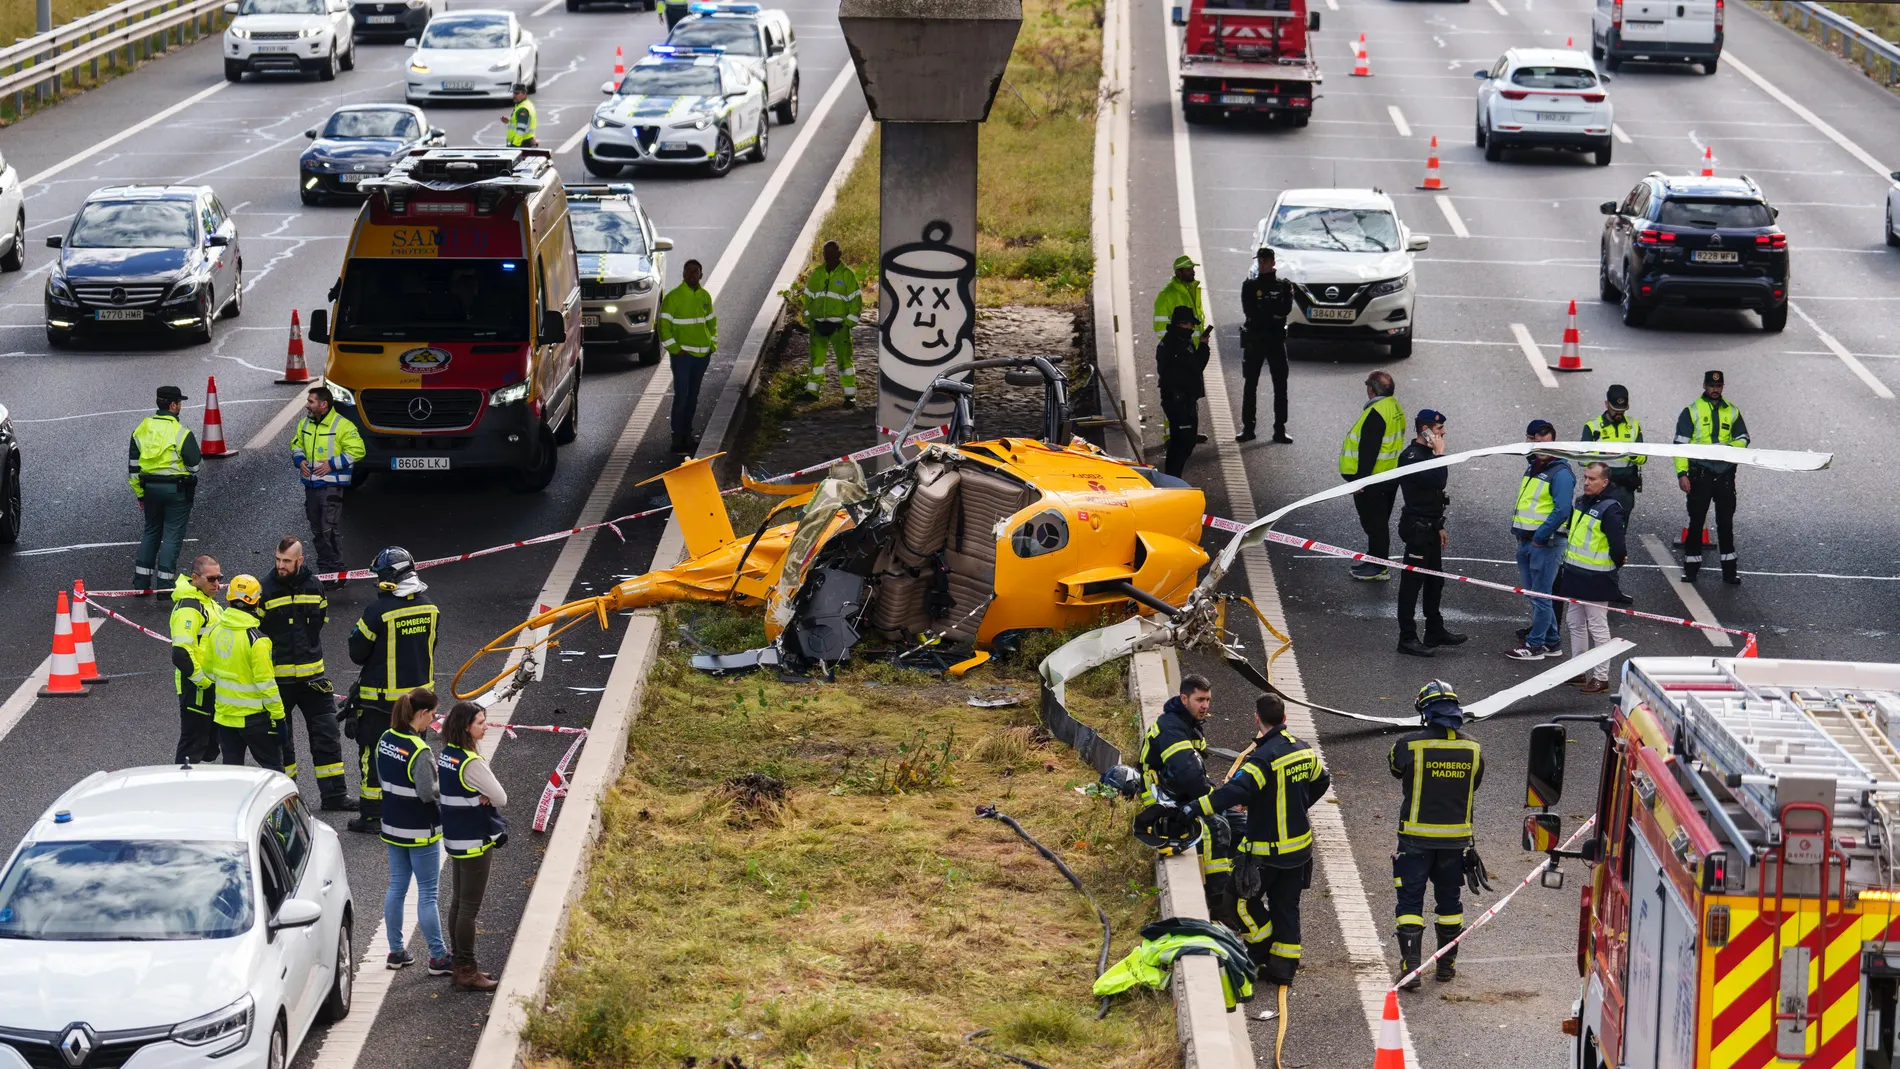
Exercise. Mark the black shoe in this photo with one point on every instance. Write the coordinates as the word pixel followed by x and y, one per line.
pixel 1408 644
pixel 1620 598
pixel 1244 436
pixel 850 402
pixel 1442 637
pixel 1279 437
pixel 1368 572
pixel 1731 573
pixel 340 803
pixel 336 584
pixel 1411 951
pixel 1200 439
pixel 1447 968
pixel 1689 572
pixel 367 827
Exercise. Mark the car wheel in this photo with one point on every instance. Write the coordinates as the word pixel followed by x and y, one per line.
pixel 1603 154
pixel 650 352
pixel 788 108
pixel 1605 288
pixel 207 314
pixel 337 1005
pixel 349 58
pixel 1596 50
pixel 1709 65
pixel 757 155
pixel 1775 320
pixel 279 1048
pixel 58 339
pixel 597 167
pixel 310 199
pixel 15 257
pixel 1299 119
pixel 235 307
pixel 570 427
pixel 721 163
pixel 327 72
pixel 1893 240
pixel 1634 313
pixel 1401 346
pixel 1478 135
pixel 536 477
pixel 10 523
pixel 1611 64
pixel 1493 149
pixel 573 5
pixel 233 72
pixel 534 76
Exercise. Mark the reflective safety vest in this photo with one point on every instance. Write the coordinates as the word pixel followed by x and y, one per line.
pixel 521 124
pixel 1623 430
pixel 1177 294
pixel 1389 447
pixel 407 819
pixel 394 641
pixel 467 824
pixel 331 438
pixel 160 439
pixel 237 658
pixel 193 616
pixel 1441 771
pixel 1711 427
pixel 1277 783
pixel 832 296
pixel 1589 543
pixel 1534 504
pixel 687 322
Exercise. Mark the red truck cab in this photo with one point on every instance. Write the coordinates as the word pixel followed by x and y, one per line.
pixel 1248 57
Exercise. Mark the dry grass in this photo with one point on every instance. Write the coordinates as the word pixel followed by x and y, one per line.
pixel 857 922
pixel 18 20
pixel 1880 19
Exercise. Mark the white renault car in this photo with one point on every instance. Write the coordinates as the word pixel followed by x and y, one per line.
pixel 289 37
pixel 1544 98
pixel 173 916
pixel 1350 262
pixel 472 55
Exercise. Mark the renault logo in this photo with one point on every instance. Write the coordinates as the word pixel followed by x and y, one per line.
pixel 76 1045
pixel 1332 293
pixel 118 295
pixel 420 409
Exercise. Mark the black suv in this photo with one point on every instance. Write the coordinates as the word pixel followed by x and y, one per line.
pixel 1695 242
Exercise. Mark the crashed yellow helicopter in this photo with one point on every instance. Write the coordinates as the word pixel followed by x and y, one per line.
pixel 964 543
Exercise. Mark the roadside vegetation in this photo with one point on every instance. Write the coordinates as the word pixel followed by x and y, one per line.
pixel 1882 19
pixel 792 874
pixel 18 21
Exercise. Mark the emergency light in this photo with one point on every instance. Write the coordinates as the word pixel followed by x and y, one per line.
pixel 725 9
pixel 686 51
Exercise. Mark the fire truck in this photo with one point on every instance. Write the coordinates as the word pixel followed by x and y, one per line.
pixel 1742 909
pixel 1247 57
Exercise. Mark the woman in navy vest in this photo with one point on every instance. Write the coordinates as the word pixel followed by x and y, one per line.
pixel 470 830
pixel 412 827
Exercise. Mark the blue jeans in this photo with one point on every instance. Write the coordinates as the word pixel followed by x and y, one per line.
pixel 687 371
pixel 425 864
pixel 1537 570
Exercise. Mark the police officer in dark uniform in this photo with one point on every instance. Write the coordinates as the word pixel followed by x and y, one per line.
pixel 1441 771
pixel 1278 782
pixel 1422 529
pixel 394 642
pixel 295 610
pixel 1179 364
pixel 1266 300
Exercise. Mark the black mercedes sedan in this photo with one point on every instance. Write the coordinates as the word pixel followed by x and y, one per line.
pixel 358 142
pixel 148 260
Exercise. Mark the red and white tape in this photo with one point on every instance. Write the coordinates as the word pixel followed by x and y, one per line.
pixel 557 780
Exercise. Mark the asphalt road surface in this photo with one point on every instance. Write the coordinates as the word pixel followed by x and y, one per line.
pixel 1817 558
pixel 76 407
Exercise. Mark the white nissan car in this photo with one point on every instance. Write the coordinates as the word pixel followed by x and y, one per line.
pixel 1350 262
pixel 472 55
pixel 173 916
pixel 1544 98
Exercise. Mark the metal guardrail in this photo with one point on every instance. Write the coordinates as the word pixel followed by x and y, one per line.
pixel 138 28
pixel 1832 24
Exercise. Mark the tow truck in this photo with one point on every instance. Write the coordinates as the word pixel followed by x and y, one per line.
pixel 1248 57
pixel 1742 907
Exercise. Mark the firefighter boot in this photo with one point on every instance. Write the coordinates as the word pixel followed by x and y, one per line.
pixel 1730 573
pixel 369 817
pixel 1448 962
pixel 1411 950
pixel 1690 566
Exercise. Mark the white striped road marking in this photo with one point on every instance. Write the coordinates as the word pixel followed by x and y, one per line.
pixel 1533 354
pixel 1853 363
pixel 138 127
pixel 544 8
pixel 23 696
pixel 1332 5
pixel 262 439
pixel 575 139
pixel 1620 135
pixel 1451 216
pixel 1861 154
pixel 1363 936
pixel 1398 120
pixel 1690 596
pixel 1499 8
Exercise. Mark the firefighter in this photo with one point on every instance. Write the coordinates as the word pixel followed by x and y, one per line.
pixel 1626 473
pixel 1182 291
pixel 394 642
pixel 1441 771
pixel 1372 446
pixel 1709 420
pixel 162 467
pixel 1266 300
pixel 1180 367
pixel 521 120
pixel 1278 782
pixel 238 660
pixel 194 612
pixel 295 610
pixel 689 332
pixel 833 301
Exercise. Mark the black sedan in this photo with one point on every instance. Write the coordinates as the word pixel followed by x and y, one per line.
pixel 9 480
pixel 358 142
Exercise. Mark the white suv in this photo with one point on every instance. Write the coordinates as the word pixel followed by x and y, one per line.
pixel 1544 98
pixel 289 36
pixel 1350 262
pixel 170 916
pixel 759 40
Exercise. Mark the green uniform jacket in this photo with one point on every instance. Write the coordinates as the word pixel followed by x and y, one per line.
pixel 193 617
pixel 1175 295
pixel 687 322
pixel 832 297
pixel 237 658
pixel 164 447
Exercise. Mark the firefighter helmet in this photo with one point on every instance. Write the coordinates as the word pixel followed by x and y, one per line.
pixel 1434 690
pixel 392 566
pixel 244 590
pixel 1166 828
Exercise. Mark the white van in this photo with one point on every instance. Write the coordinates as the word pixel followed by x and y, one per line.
pixel 1661 31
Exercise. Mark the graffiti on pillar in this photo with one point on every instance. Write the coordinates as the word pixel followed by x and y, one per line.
pixel 929 318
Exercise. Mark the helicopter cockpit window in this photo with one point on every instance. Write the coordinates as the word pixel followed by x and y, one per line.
pixel 1046 532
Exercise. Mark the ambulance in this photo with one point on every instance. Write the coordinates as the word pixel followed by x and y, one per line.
pixel 454 331
pixel 1742 909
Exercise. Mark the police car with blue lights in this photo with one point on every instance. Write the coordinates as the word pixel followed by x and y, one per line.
pixel 622 264
pixel 679 106
pixel 758 39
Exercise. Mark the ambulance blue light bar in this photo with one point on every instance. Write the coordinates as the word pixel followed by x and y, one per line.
pixel 686 51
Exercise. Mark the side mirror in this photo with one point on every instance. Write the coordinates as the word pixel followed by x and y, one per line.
pixel 1544 778
pixel 437 131
pixel 553 327
pixel 1895 176
pixel 1542 832
pixel 217 240
pixel 1417 242
pixel 1178 16
pixel 1608 207
pixel 410 43
pixel 1481 75
pixel 1312 22
pixel 608 87
pixel 1605 79
pixel 662 244
pixel 55 241
pixel 1774 213
pixel 230 9
pixel 320 326
pixel 296 913
pixel 775 49
pixel 311 133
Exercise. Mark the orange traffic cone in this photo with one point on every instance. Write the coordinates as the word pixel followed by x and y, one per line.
pixel 1390 1053
pixel 1683 539
pixel 1432 181
pixel 1570 359
pixel 1570 42
pixel 1708 161
pixel 1748 648
pixel 620 66
pixel 63 680
pixel 1361 63
pixel 213 443
pixel 296 372
pixel 82 637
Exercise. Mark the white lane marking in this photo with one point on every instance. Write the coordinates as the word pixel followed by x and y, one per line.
pixel 278 422
pixel 544 9
pixel 136 128
pixel 575 139
pixel 1533 354
pixel 1861 154
pixel 1333 5
pixel 1398 120
pixel 1363 935
pixel 23 696
pixel 1691 597
pixel 146 411
pixel 1451 216
pixel 1499 8
pixel 1853 363
pixel 1620 135
pixel 46 550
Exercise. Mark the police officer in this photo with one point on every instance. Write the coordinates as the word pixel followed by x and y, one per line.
pixel 1422 530
pixel 194 612
pixel 162 467
pixel 1626 473
pixel 1372 446
pixel 1179 367
pixel 324 447
pixel 394 642
pixel 1183 291
pixel 1266 300
pixel 689 332
pixel 833 300
pixel 1278 782
pixel 238 660
pixel 1441 771
pixel 521 120
pixel 1709 420
pixel 295 610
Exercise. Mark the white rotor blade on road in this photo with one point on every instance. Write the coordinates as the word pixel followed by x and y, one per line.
pixel 1548 678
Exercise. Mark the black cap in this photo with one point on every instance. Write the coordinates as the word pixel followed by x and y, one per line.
pixel 1184 316
pixel 1428 417
pixel 1539 426
pixel 168 394
pixel 1711 378
pixel 1618 397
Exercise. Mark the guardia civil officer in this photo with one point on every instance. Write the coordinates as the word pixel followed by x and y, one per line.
pixel 1709 420
pixel 162 467
pixel 194 612
pixel 295 610
pixel 1440 770
pixel 394 642
pixel 521 120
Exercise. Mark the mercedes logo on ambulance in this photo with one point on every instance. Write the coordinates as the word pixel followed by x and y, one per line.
pixel 420 409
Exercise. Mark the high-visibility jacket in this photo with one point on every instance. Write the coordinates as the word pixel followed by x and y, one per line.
pixel 1391 444
pixel 394 641
pixel 408 820
pixel 1710 423
pixel 468 826
pixel 521 124
pixel 237 658
pixel 1627 429
pixel 1278 782
pixel 193 615
pixel 687 322
pixel 162 448
pixel 295 610
pixel 1535 502
pixel 1153 958
pixel 1590 547
pixel 1441 771
pixel 1177 294
pixel 1171 763
pixel 331 438
pixel 832 296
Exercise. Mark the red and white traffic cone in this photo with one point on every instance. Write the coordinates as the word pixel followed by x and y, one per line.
pixel 82 637
pixel 1361 62
pixel 1708 161
pixel 1570 42
pixel 296 372
pixel 620 66
pixel 1570 359
pixel 1432 181
pixel 63 681
pixel 1389 1052
pixel 1701 540
pixel 1748 648
pixel 212 443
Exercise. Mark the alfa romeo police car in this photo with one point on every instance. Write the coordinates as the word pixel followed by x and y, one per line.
pixel 622 263
pixel 679 106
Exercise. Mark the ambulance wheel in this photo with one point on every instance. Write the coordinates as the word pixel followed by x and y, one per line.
pixel 540 472
pixel 570 427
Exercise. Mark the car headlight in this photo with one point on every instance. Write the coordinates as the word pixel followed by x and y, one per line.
pixel 56 285
pixel 224 1030
pixel 187 288
pixel 319 165
pixel 311 31
pixel 693 124
pixel 1390 285
pixel 506 64
pixel 417 5
pixel 641 285
pixel 239 32
pixel 418 67
pixel 341 395
pixel 601 122
pixel 509 395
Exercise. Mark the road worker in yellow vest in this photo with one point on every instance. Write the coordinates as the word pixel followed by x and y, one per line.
pixel 833 299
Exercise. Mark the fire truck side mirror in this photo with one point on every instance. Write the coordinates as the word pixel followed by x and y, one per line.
pixel 1544 778
pixel 1542 832
pixel 1312 21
